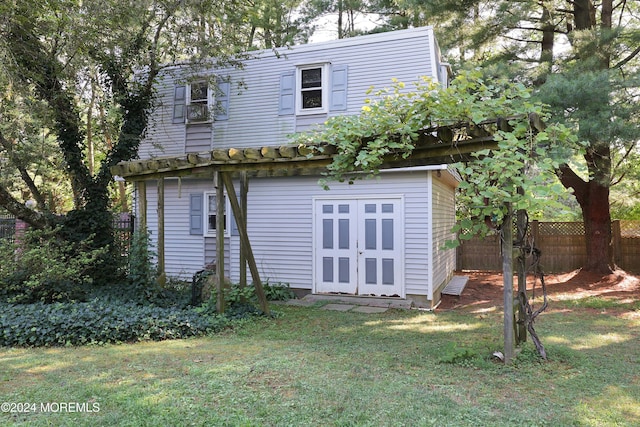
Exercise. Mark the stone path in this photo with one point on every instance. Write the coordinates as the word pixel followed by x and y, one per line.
pixel 351 303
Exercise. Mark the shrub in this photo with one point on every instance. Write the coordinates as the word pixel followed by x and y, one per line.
pixel 44 267
pixel 99 322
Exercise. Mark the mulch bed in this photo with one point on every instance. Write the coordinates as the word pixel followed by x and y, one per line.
pixel 485 289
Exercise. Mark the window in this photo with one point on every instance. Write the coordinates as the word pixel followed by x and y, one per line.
pixel 313 83
pixel 211 216
pixel 198 102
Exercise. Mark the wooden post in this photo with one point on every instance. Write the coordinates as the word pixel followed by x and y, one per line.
pixel 142 195
pixel 507 273
pixel 219 241
pixel 162 276
pixel 521 330
pixel 244 238
pixel 616 236
pixel 244 189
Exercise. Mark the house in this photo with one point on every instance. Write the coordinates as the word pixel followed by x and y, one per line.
pixel 380 236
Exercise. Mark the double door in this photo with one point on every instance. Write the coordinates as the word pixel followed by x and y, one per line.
pixel 358 247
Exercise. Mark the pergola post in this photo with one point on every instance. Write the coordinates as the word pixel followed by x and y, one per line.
pixel 244 189
pixel 162 276
pixel 521 220
pixel 220 222
pixel 142 195
pixel 241 222
pixel 507 276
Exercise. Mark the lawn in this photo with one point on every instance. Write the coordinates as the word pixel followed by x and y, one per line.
pixel 311 366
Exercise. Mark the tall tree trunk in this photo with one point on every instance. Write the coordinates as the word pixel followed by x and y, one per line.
pixel 593 197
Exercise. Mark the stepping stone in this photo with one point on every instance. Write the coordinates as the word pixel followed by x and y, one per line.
pixel 338 307
pixel 370 309
pixel 299 302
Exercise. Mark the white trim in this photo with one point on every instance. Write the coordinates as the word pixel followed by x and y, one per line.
pixel 324 88
pixel 210 99
pixel 430 236
pixel 416 168
pixel 353 41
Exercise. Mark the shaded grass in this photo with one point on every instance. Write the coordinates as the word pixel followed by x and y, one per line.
pixel 318 367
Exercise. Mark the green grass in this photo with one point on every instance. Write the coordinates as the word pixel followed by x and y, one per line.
pixel 317 367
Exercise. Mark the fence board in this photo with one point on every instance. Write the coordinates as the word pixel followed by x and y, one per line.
pixel 562 245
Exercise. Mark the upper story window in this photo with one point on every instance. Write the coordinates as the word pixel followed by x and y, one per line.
pixel 198 101
pixel 315 88
pixel 312 81
pixel 201 101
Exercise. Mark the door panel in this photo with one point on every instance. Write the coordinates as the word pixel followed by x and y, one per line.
pixel 336 246
pixel 380 257
pixel 358 247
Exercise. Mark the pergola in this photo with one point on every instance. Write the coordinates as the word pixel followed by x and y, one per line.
pixel 435 145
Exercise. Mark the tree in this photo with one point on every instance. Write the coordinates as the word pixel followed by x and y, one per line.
pixel 346 13
pixel 56 57
pixel 583 59
pixel 276 24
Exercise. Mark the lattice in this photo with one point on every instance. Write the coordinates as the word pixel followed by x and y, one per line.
pixel 561 228
pixel 630 229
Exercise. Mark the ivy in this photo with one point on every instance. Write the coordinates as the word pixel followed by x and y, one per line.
pixel 100 322
pixel 518 171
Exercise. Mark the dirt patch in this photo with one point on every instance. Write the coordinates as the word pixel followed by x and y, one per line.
pixel 486 289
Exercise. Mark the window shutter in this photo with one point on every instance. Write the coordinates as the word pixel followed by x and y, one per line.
pixel 222 100
pixel 338 93
pixel 196 213
pixel 179 101
pixel 287 93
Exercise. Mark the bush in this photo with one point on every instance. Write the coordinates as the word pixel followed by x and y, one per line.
pixel 44 267
pixel 99 322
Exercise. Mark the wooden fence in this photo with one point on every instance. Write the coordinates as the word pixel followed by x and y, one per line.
pixel 122 227
pixel 7 226
pixel 562 245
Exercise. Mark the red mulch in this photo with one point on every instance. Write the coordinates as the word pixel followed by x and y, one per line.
pixel 486 289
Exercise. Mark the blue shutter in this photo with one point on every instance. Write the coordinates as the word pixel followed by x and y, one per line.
pixel 179 101
pixel 287 93
pixel 338 93
pixel 196 214
pixel 222 100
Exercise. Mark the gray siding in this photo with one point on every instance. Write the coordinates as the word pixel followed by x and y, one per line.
pixel 253 118
pixel 198 138
pixel 184 253
pixel 443 214
pixel 280 226
pixel 283 243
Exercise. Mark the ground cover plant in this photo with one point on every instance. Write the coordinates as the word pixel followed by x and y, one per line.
pixel 311 366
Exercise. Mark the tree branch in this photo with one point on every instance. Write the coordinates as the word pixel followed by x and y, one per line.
pixel 37 195
pixel 628 58
pixel 570 179
pixel 18 209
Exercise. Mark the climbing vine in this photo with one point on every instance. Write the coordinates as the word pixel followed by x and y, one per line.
pixel 390 123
